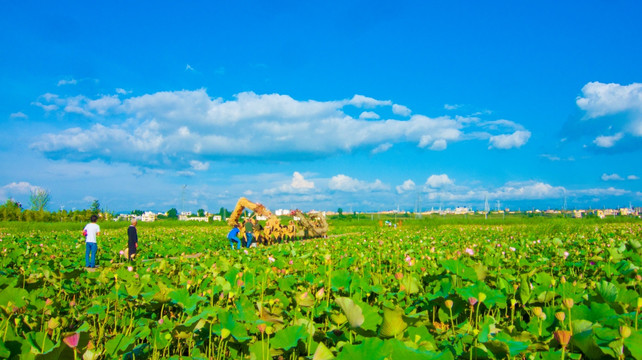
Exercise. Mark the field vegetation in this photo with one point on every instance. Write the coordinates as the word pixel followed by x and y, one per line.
pixel 431 288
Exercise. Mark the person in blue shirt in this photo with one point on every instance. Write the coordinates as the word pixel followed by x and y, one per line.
pixel 233 236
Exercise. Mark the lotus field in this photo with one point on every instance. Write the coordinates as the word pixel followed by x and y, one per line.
pixel 546 289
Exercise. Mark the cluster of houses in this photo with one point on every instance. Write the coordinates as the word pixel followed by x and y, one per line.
pixel 150 216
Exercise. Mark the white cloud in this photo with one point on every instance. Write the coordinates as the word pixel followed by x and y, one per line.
pixel 298 185
pixel 368 115
pixel 45 107
pixel 189 67
pixel 607 141
pixel 601 99
pixel 514 140
pixel 364 101
pixel 298 182
pixel 400 110
pixel 438 181
pixel 67 82
pixel 199 166
pixel 451 107
pixel 632 177
pixel 103 104
pixel 167 127
pixel 16 188
pixel 611 191
pixel 527 190
pixel 610 177
pixel 439 145
pixel 18 115
pixel 347 184
pixel 407 185
pixel 381 148
pixel 122 91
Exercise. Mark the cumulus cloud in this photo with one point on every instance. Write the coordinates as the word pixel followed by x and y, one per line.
pixel 632 177
pixel 347 184
pixel 514 140
pixel 17 188
pixel 451 107
pixel 438 181
pixel 400 110
pixel 381 148
pixel 368 115
pixel 297 185
pixel 407 185
pixel 164 128
pixel 67 82
pixel 199 166
pixel 601 99
pixel 610 177
pixel 607 141
pixel 298 182
pixel 612 116
pixel 18 115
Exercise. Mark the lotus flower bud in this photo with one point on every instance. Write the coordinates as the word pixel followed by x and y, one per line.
pixel 261 327
pixel 537 311
pixel 568 303
pixel 563 279
pixel 449 304
pixel 625 331
pixel 472 301
pixel 481 297
pixel 560 315
pixel 563 337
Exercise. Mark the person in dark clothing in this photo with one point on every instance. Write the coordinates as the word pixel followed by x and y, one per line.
pixel 132 240
pixel 249 226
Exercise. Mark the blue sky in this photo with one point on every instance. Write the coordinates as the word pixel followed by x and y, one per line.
pixel 318 105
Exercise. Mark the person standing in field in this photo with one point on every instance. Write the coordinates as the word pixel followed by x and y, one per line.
pixel 91 231
pixel 132 240
pixel 233 236
pixel 248 232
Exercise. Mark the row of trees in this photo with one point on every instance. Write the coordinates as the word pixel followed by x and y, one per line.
pixel 39 199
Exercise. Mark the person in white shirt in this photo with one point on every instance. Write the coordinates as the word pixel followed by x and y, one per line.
pixel 91 231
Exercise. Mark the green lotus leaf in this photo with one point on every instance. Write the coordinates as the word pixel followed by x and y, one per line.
pixel 459 268
pixel 288 337
pixel 634 344
pixel 393 323
pixel 608 291
pixel 322 353
pixel 119 344
pixel 341 279
pixel 353 312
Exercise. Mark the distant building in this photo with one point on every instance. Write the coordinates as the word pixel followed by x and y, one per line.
pixel 148 216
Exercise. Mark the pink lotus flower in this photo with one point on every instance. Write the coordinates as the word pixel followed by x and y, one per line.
pixel 271 259
pixel 130 268
pixel 72 340
pixel 472 301
pixel 161 321
pixel 122 252
pixel 470 252
pixel 291 262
